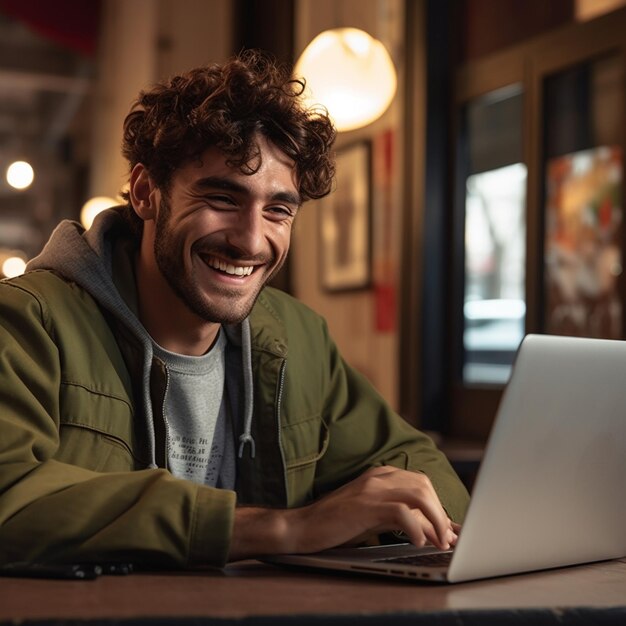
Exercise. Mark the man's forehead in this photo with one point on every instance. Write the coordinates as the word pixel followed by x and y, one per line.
pixel 275 172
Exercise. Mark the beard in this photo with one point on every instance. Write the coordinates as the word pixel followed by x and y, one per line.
pixel 228 306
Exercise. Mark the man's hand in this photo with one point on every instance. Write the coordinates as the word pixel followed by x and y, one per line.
pixel 380 500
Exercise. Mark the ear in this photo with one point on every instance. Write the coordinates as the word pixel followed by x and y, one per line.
pixel 142 193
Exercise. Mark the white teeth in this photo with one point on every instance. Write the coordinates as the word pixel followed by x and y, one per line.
pixel 235 270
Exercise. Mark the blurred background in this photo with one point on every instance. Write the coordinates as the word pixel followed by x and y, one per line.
pixel 483 201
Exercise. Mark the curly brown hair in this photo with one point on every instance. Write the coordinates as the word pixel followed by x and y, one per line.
pixel 225 106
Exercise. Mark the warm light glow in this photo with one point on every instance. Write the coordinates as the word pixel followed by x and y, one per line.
pixel 20 175
pixel 586 10
pixel 13 266
pixel 351 74
pixel 92 207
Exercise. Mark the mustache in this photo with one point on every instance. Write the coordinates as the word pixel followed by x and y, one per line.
pixel 231 253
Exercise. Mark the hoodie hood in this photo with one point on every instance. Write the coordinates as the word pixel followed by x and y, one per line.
pixel 86 257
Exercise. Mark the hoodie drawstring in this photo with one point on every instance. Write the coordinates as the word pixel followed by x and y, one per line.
pixel 246 351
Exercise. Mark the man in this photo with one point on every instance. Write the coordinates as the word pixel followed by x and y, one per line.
pixel 158 404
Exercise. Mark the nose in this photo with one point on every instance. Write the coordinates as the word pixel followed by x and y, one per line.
pixel 247 232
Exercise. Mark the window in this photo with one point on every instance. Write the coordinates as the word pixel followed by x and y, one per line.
pixel 495 236
pixel 537 236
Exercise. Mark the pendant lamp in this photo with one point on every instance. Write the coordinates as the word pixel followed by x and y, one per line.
pixel 351 74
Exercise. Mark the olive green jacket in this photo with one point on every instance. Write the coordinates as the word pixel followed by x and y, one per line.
pixel 75 481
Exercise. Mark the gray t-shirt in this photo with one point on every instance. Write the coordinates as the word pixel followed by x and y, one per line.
pixel 201 445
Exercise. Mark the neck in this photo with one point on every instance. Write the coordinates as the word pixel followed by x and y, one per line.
pixel 166 317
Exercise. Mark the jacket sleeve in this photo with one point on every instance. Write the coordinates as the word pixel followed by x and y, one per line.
pixel 55 511
pixel 363 431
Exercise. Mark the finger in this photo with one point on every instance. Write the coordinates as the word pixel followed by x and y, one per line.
pixel 415 490
pixel 418 529
pixel 404 492
pixel 433 510
pixel 429 509
pixel 450 538
pixel 440 532
pixel 412 527
pixel 443 544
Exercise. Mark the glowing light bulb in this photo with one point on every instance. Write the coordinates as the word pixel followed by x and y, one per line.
pixel 351 74
pixel 20 175
pixel 92 207
pixel 13 266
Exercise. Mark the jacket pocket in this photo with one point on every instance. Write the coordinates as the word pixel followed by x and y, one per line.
pixel 96 431
pixel 87 448
pixel 304 443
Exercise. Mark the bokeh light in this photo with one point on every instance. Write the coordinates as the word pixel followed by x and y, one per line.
pixel 20 175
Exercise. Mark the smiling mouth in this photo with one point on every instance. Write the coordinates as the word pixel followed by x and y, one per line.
pixel 228 268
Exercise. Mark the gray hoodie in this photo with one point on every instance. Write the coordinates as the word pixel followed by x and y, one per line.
pixel 86 258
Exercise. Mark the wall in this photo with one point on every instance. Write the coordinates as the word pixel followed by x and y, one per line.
pixel 147 39
pixel 364 323
pixel 142 41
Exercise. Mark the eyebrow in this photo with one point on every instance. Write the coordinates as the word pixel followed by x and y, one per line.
pixel 226 184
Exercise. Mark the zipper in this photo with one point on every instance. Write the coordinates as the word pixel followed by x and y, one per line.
pixel 279 399
pixel 166 441
pixel 159 419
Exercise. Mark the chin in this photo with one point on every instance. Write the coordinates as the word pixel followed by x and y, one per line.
pixel 234 312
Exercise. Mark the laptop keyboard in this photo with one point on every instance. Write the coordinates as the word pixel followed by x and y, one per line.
pixel 436 559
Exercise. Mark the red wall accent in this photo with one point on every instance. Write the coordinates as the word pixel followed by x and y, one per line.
pixel 73 24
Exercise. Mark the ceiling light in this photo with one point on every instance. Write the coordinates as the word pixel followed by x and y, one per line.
pixel 20 175
pixel 351 74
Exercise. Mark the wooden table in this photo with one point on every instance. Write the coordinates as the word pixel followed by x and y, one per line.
pixel 261 594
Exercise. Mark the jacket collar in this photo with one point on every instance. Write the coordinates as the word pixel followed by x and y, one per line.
pixel 267 328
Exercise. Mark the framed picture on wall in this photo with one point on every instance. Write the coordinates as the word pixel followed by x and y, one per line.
pixel 345 223
pixel 583 249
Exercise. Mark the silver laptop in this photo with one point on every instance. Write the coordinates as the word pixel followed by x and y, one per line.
pixel 551 489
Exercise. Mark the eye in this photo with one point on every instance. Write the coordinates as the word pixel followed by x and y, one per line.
pixel 280 212
pixel 222 200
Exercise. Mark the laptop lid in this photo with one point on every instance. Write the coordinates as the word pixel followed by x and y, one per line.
pixel 550 489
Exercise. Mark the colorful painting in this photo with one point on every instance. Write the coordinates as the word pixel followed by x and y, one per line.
pixel 583 252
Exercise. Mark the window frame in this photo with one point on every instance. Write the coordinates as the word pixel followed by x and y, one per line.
pixel 436 399
pixel 473 406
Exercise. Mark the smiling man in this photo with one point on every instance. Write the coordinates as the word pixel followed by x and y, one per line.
pixel 159 404
pixel 211 242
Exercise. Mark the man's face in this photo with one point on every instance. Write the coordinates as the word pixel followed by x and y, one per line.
pixel 220 235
